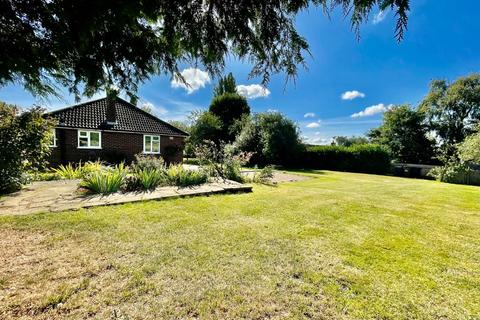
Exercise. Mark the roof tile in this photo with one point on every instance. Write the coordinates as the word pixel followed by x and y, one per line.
pixel 92 115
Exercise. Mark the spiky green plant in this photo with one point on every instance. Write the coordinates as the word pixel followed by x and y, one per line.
pixel 68 171
pixel 149 179
pixel 89 167
pixel 79 171
pixel 106 180
pixel 177 175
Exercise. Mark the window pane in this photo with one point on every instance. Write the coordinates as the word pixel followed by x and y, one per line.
pixel 156 146
pixel 52 138
pixel 83 142
pixel 94 139
pixel 155 138
pixel 83 133
pixel 147 143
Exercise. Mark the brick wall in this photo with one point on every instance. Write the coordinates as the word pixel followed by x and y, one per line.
pixel 116 147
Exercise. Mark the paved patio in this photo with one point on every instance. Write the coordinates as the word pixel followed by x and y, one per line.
pixel 48 196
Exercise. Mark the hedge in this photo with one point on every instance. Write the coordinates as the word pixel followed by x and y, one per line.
pixel 368 158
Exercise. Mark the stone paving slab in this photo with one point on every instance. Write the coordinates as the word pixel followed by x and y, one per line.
pixel 49 196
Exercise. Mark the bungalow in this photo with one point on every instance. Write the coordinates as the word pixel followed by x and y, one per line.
pixel 112 130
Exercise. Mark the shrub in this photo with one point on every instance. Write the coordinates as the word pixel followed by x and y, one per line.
pixel 170 153
pixel 45 176
pixel 369 158
pixel 271 138
pixel 452 172
pixel 264 176
pixel 105 181
pixel 149 163
pixel 24 139
pixel 177 175
pixel 221 160
pixel 206 126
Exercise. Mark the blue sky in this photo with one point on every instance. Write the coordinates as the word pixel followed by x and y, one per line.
pixel 442 42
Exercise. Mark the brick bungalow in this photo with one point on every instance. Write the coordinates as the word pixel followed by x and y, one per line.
pixel 112 130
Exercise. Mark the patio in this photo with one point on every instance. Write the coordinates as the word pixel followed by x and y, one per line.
pixel 60 195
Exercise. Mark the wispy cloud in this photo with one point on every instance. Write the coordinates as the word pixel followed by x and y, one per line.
pixel 253 91
pixel 157 110
pixel 313 125
pixel 179 109
pixel 318 140
pixel 309 115
pixel 194 78
pixel 348 122
pixel 350 95
pixel 380 16
pixel 371 111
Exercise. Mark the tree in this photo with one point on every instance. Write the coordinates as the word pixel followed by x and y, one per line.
pixel 206 127
pixel 182 125
pixel 225 85
pixel 91 44
pixel 147 108
pixel 469 150
pixel 349 141
pixel 229 107
pixel 185 126
pixel 24 140
pixel 273 139
pixel 404 133
pixel 452 110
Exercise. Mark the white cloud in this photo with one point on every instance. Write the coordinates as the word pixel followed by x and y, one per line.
pixel 309 115
pixel 159 110
pixel 350 95
pixel 253 91
pixel 195 79
pixel 319 140
pixel 313 125
pixel 272 110
pixel 372 110
pixel 380 16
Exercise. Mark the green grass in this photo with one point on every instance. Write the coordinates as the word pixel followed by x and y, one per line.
pixel 338 246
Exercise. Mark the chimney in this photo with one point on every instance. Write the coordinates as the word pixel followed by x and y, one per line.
pixel 111 113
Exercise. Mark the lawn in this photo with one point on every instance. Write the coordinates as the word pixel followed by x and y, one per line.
pixel 337 246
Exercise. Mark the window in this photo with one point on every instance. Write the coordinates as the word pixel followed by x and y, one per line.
pixel 151 144
pixel 89 139
pixel 53 139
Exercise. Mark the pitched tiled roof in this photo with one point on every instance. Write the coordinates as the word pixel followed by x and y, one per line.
pixel 93 115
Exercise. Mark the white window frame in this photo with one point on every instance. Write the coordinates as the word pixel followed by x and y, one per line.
pixel 88 139
pixel 54 145
pixel 151 143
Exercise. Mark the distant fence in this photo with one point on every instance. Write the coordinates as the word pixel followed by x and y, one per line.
pixel 412 170
pixel 421 171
